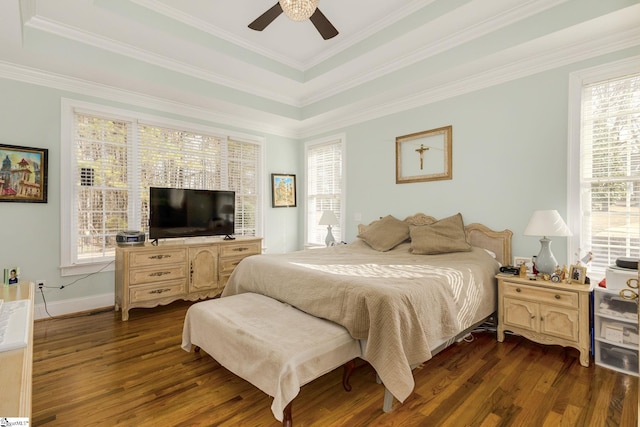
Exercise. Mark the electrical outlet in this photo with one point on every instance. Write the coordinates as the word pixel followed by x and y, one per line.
pixel 40 284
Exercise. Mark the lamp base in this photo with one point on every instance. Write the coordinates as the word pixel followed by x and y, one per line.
pixel 329 240
pixel 546 262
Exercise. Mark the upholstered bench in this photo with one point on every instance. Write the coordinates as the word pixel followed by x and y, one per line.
pixel 272 345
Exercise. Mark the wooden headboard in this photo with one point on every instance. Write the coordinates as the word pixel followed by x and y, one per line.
pixel 498 242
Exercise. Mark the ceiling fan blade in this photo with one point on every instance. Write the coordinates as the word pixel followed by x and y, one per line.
pixel 266 18
pixel 322 24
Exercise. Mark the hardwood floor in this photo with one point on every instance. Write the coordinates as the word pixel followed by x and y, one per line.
pixel 96 370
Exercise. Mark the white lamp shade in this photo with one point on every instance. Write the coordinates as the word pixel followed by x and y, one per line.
pixel 546 223
pixel 328 218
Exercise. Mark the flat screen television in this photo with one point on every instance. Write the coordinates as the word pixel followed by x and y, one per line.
pixel 180 212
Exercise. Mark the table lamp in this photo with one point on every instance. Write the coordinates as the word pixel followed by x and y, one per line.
pixel 328 218
pixel 546 223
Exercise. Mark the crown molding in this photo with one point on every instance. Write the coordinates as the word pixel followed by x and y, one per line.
pixel 530 58
pixel 114 46
pixel 367 32
pixel 433 48
pixel 334 83
pixel 500 68
pixel 85 88
pixel 192 21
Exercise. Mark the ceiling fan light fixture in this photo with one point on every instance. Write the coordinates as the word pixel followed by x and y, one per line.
pixel 299 10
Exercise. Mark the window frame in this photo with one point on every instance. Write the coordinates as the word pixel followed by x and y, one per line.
pixel 577 80
pixel 70 264
pixel 343 187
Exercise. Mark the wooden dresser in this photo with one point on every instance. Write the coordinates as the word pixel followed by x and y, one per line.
pixel 148 276
pixel 16 365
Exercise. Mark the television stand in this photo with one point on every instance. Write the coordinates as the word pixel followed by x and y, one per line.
pixel 148 276
pixel 229 237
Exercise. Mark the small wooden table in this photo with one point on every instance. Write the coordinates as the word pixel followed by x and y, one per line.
pixel 16 371
pixel 545 312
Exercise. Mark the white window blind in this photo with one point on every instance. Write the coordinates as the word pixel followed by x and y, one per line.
pixel 324 188
pixel 117 160
pixel 610 171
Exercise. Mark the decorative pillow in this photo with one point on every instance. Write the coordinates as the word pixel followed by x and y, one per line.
pixel 443 236
pixel 385 234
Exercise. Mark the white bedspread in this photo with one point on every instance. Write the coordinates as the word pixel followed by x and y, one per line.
pixel 397 301
pixel 272 345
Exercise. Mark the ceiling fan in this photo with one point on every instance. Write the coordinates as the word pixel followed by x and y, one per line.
pixel 297 10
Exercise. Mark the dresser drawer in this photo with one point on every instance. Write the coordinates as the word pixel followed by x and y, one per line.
pixel 157 274
pixel 157 257
pixel 530 293
pixel 239 249
pixel 227 265
pixel 156 291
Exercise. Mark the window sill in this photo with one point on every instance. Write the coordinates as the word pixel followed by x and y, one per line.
pixel 88 268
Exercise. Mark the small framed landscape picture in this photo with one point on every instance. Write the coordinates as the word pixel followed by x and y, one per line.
pixel 283 188
pixel 578 274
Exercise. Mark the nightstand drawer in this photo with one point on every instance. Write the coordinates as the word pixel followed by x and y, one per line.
pixel 555 296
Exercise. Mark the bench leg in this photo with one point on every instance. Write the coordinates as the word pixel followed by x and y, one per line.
pixel 287 420
pixel 387 402
pixel 349 367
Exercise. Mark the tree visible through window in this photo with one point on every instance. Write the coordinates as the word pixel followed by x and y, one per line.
pixel 610 170
pixel 115 161
pixel 324 179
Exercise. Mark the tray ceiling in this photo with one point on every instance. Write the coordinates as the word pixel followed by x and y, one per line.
pixel 198 57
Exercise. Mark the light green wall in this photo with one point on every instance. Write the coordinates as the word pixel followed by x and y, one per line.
pixel 509 158
pixel 30 236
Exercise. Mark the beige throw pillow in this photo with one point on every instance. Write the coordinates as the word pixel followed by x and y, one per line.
pixel 385 234
pixel 443 236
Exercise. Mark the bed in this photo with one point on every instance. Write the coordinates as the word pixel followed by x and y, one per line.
pixel 405 288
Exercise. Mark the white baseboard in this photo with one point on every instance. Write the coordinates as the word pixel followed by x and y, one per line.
pixel 76 305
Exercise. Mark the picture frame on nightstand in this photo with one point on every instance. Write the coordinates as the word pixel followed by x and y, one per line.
pixel 519 260
pixel 577 274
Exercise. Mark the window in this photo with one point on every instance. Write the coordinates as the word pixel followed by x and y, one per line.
pixel 325 187
pixel 111 158
pixel 605 186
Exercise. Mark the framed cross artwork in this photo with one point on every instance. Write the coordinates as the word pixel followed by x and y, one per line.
pixel 424 156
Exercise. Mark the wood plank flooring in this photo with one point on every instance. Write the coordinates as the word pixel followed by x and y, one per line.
pixel 95 370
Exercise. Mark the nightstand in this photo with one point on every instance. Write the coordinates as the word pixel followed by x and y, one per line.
pixel 545 312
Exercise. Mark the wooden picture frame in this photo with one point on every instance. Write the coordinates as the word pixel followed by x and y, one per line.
pixel 283 190
pixel 424 156
pixel 23 174
pixel 577 274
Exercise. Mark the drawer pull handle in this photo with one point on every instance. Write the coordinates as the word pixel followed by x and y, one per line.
pixel 160 256
pixel 159 291
pixel 159 273
pixel 242 249
pixel 518 290
pixel 557 296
